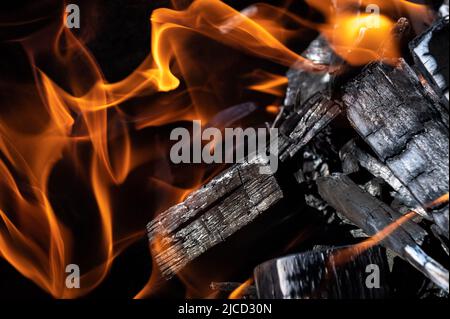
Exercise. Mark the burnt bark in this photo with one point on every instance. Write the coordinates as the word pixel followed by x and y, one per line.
pixel 406 127
pixel 430 52
pixel 300 127
pixel 322 274
pixel 211 214
pixel 373 216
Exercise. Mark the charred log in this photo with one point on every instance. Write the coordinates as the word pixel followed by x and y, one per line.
pixel 353 157
pixel 373 216
pixel 300 127
pixel 322 274
pixel 407 128
pixel 211 214
pixel 430 52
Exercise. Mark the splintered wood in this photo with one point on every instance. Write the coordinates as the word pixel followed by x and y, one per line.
pixel 430 53
pixel 367 212
pixel 211 214
pixel 407 128
pixel 321 274
pixel 301 126
pixel 376 218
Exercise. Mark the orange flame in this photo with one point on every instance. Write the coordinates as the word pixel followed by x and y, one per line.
pixel 239 292
pixel 358 29
pixel 268 83
pixel 344 255
pixel 75 115
pixel 78 111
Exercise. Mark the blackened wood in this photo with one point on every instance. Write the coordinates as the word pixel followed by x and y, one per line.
pixel 352 157
pixel 320 274
pixel 302 84
pixel 367 212
pixel 407 128
pixel 430 52
pixel 373 216
pixel 301 126
pixel 211 214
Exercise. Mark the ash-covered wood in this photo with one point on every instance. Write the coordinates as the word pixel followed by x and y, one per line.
pixel 301 126
pixel 211 214
pixel 407 128
pixel 322 274
pixel 430 52
pixel 373 216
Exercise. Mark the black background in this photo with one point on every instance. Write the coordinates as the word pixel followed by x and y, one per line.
pixel 117 32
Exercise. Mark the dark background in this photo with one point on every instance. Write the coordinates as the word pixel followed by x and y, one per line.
pixel 117 32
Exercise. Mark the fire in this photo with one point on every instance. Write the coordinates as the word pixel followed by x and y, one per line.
pixel 240 291
pixel 272 109
pixel 71 114
pixel 441 200
pixel 358 43
pixel 344 255
pixel 268 83
pixel 358 29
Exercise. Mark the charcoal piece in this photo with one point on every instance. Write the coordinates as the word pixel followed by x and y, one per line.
pixel 443 10
pixel 349 160
pixel 436 232
pixel 430 52
pixel 406 127
pixel 323 274
pixel 300 127
pixel 211 214
pixel 373 216
pixel 373 187
pixel 367 212
pixel 352 156
pixel 303 84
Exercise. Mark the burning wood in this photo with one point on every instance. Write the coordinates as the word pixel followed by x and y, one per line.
pixel 319 274
pixel 404 123
pixel 373 216
pixel 211 214
pixel 416 148
pixel 303 84
pixel 358 141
